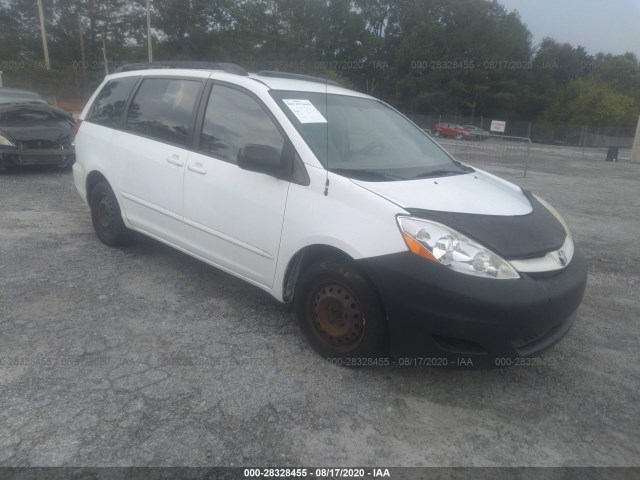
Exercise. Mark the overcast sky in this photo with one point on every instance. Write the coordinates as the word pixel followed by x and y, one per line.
pixel 609 26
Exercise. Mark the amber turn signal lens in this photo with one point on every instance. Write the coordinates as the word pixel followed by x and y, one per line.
pixel 417 248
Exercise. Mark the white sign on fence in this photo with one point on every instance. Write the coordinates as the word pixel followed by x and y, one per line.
pixel 498 126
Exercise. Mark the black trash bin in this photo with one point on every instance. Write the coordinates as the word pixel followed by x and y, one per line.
pixel 612 154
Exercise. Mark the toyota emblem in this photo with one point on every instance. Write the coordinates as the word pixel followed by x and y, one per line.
pixel 562 257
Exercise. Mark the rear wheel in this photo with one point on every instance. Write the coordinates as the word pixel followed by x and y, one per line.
pixel 437 133
pixel 459 136
pixel 340 313
pixel 106 218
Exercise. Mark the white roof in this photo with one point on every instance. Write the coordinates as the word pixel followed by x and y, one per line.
pixel 253 81
pixel 276 83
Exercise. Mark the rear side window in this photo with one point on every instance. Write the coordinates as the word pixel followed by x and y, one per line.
pixel 163 108
pixel 110 102
pixel 234 119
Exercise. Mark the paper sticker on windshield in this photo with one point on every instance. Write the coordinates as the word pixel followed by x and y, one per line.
pixel 305 111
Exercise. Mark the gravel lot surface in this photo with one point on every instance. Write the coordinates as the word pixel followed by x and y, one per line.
pixel 145 356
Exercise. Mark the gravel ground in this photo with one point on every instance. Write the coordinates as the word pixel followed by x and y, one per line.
pixel 145 356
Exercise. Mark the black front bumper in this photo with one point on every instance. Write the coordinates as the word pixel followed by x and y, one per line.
pixel 11 156
pixel 435 312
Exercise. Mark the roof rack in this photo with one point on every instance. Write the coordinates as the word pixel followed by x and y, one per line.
pixel 226 67
pixel 298 76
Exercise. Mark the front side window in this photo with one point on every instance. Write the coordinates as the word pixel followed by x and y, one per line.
pixel 163 108
pixel 363 138
pixel 234 119
pixel 110 102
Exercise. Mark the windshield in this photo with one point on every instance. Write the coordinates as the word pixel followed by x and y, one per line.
pixel 365 138
pixel 20 97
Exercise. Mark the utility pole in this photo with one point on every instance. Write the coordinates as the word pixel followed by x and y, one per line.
pixel 635 150
pixel 44 36
pixel 149 31
pixel 84 65
pixel 104 57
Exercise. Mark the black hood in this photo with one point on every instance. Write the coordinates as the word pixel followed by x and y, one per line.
pixel 26 122
pixel 512 237
pixel 10 110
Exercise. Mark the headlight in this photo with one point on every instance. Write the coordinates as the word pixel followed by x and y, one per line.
pixel 5 142
pixel 439 243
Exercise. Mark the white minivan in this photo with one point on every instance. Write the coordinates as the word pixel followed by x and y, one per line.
pixel 331 199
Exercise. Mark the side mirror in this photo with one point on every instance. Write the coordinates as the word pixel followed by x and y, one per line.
pixel 261 159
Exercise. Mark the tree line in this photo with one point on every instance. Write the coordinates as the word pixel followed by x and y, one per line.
pixel 452 57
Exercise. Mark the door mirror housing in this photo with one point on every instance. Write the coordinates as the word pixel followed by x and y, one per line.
pixel 261 159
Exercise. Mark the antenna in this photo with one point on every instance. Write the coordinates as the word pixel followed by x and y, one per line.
pixel 326 111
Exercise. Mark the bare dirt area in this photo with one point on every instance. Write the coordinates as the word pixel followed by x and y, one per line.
pixel 144 356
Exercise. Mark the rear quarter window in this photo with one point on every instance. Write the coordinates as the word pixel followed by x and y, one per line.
pixel 111 101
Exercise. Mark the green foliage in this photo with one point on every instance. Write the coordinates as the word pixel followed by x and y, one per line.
pixel 449 57
pixel 589 101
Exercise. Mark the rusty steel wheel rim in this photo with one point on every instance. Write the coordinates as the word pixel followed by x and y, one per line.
pixel 337 317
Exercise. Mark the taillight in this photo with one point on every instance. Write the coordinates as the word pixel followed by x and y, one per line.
pixel 74 130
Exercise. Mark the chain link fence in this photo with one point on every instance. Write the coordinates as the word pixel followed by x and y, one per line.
pixel 67 88
pixel 540 132
pixel 496 150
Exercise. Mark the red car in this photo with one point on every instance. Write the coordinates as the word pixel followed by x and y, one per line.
pixel 452 130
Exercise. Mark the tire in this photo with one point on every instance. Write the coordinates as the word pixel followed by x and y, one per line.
pixel 459 136
pixel 106 217
pixel 341 314
pixel 437 133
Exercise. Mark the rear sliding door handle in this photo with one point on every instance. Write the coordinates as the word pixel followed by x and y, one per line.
pixel 175 160
pixel 197 167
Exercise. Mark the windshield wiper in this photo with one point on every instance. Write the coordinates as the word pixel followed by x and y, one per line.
pixel 438 173
pixel 364 174
pixel 463 167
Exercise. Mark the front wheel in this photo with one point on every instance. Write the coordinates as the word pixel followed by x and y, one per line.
pixel 340 313
pixel 437 133
pixel 106 218
pixel 459 136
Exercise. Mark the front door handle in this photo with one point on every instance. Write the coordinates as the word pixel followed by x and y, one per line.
pixel 175 160
pixel 197 167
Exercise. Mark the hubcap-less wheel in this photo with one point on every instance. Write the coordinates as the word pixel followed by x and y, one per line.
pixel 437 133
pixel 105 216
pixel 337 317
pixel 340 313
